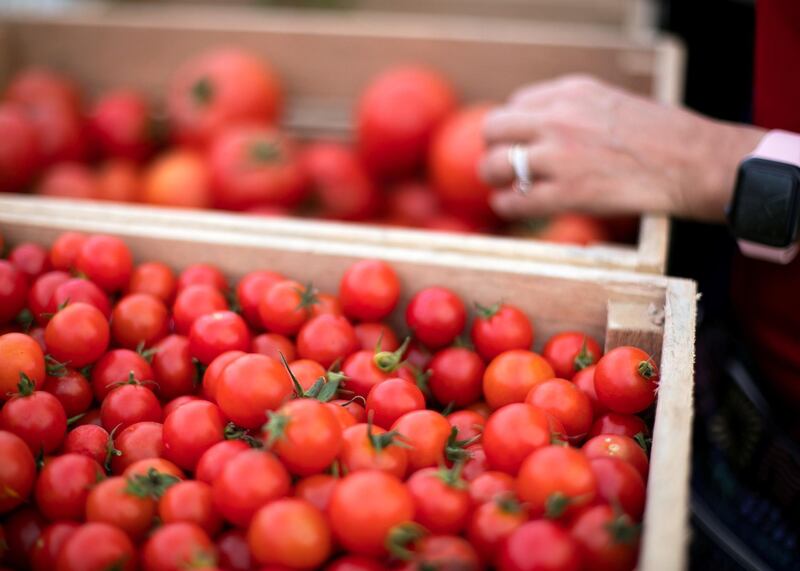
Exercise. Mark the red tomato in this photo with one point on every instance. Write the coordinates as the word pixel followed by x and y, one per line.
pixel 213 373
pixel 19 149
pixel 326 304
pixel 144 467
pixel 567 403
pixel 441 500
pixel 339 182
pixel 214 460
pixel 426 432
pixel 618 446
pixel 512 433
pixel 31 259
pixel 72 390
pixel 274 345
pixel 13 291
pixel 153 278
pixel 41 84
pixel 122 126
pixel 202 274
pixel 354 563
pixel 539 546
pixel 511 376
pixel 128 404
pixel 17 471
pixel 393 398
pixel 608 542
pixel 286 307
pixel 370 334
pixel 367 447
pixel 397 115
pixel 307 372
pixel 64 484
pixel 456 376
pixel 369 290
pixel 327 339
pixel 79 290
pixel 451 222
pixel 364 507
pixel 78 335
pixel 499 328
pixel 44 553
pixel 571 228
pixel 180 178
pixel 571 352
pixel 252 165
pixel 290 532
pixel 90 440
pixel 140 441
pixel 68 180
pixel 178 402
pixel 457 147
pixel 118 180
pixel 316 490
pixel 116 367
pixel 220 88
pixel 251 386
pixel 65 249
pixel 191 502
pixel 619 483
pixel 305 435
pixel 19 355
pixel 122 503
pixel 490 485
pixel 624 424
pixel 469 424
pixel 363 372
pixel 492 522
pixel 40 295
pixel 249 291
pixel 443 552
pixel 107 261
pixel 97 547
pixel 191 430
pixel 248 481
pixel 436 316
pixel 233 552
pixel 216 333
pixel 35 416
pixel 412 204
pixel 139 319
pixel 584 380
pixel 23 529
pixel 626 380
pixel 175 546
pixel 193 302
pixel 173 369
pixel 60 130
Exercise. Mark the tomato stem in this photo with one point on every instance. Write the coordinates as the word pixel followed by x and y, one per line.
pixel 622 529
pixel 401 536
pixel 111 449
pixel 584 358
pixel 389 361
pixel 202 91
pixel 275 427
pixel 151 485
pixel 487 311
pixel 555 505
pixel 25 386
pixel 646 369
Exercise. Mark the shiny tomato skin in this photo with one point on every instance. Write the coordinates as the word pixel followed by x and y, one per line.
pixel 202 274
pixel 17 471
pixel 214 371
pixel 233 551
pixel 614 423
pixel 121 125
pixel 307 372
pixel 327 339
pixel 64 484
pixel 426 432
pixel 511 375
pixel 178 402
pixel 176 546
pixel 19 354
pixel 216 333
pixel 436 316
pixel 619 483
pixel 129 404
pixel 601 549
pixel 180 178
pixel 191 430
pixel 539 546
pixel 285 307
pixel 173 369
pixel 469 424
pixel 97 546
pixel 501 328
pixel 567 403
pixel 13 291
pixel 397 115
pixel 584 380
pixel 190 501
pixel 80 290
pixel 273 345
pixel 139 319
pixel 555 481
pixel 361 372
pixel 512 433
pixel 112 502
pixel 249 291
pixel 78 335
pixel 72 390
pixel 214 459
pixel 489 485
pixel 19 152
pixel 116 367
pixel 393 398
pixel 456 376
pixel 492 522
pixel 618 446
pixel 107 261
pixel 316 490
pixel 140 441
pixel 369 290
pixel 40 295
pixel 370 333
pixel 88 439
pixel 22 529
pixel 364 507
pixel 193 302
pixel 251 386
pixel 45 551
pixel 64 250
pixel 36 417
pixel 570 352
pixel 626 380
pixel 31 259
pixel 154 278
pixel 360 453
pixel 441 505
pixel 143 467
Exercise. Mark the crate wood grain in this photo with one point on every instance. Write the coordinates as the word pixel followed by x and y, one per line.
pixel 325 59
pixel 620 307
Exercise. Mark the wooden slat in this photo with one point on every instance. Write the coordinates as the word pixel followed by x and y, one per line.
pixel 637 324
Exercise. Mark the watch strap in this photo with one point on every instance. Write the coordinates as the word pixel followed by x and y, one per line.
pixel 781 146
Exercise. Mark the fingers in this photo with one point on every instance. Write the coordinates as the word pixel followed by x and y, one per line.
pixel 540 95
pixel 495 169
pixel 506 125
pixel 544 198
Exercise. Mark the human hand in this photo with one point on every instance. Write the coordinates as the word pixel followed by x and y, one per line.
pixel 599 149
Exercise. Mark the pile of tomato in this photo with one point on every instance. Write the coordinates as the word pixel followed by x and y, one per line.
pixel 160 422
pixel 213 143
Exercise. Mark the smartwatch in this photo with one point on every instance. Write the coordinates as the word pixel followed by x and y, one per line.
pixel 764 213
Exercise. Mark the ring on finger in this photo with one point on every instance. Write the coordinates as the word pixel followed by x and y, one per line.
pixel 518 158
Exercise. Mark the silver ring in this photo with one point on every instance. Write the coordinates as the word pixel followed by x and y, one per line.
pixel 518 158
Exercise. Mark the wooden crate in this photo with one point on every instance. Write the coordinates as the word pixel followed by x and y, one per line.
pixel 326 58
pixel 653 312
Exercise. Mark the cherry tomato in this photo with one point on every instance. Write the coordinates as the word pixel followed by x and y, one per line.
pixel 584 380
pixel 369 290
pixel 512 433
pixel 19 355
pixel 80 290
pixel 251 288
pixel 393 398
pixel 213 373
pixel 456 376
pixel 13 291
pixel 153 278
pixel 17 471
pixel 40 295
pixel 626 380
pixel 65 250
pixel 364 507
pixel 500 328
pixel 570 352
pixel 191 430
pixel 307 372
pixel 173 369
pixel 367 447
pixel 343 416
pixel 233 551
pixel 249 387
pixel 116 367
pixel 565 402
pixel 77 335
pixel 72 390
pixel 365 369
pixel 23 528
pixel 624 424
pixel 327 339
pixel 128 404
pixel 177 403
pixel 97 547
pixel 354 563
pixel 619 483
pixel 191 502
pixel 286 307
pixel 369 334
pixel 90 440
pixel 64 484
pixel 202 274
pixel 476 464
pixel 193 302
pixel 539 546
pixel 178 545
pixel 618 446
pixel 214 460
pixel 107 261
pixel 608 541
pixel 489 485
pixel 426 432
pixel 441 500
pixel 35 416
pixel 444 552
pixel 290 532
pixel 123 503
pixel 412 203
pixel 493 521
pixel 469 424
pixel 19 156
pixel 216 333
pixel 140 441
pixel 144 467
pixel 30 259
pixel 511 375
pixel 180 178
pixel 316 490
pixel 139 319
pixel 571 228
pixel 121 125
pixel 436 316
pixel 44 553
pixel 118 180
pixel 69 180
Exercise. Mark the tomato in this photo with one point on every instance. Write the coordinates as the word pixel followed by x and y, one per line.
pixel 35 416
pixel 202 274
pixel 455 151
pixel 556 480
pixel 44 554
pixel 153 278
pixel 64 484
pixel 339 182
pixel 618 446
pixel 397 115
pixel 19 151
pixel 451 222
pixel 327 339
pixel 216 333
pixel 68 180
pixel 144 467
pixel 249 291
pixel 584 380
pixel 116 367
pixel 369 290
pixel 107 261
pixel 608 541
pixel 191 430
pixel 251 386
pixel 193 302
pixel 426 432
pixel 274 345
pixel 369 334
pixel 456 376
pixel 286 307
pixel 492 522
pixel 31 259
pixel 178 177
pixel 65 249
pixel 233 551
pixel 128 404
pixel 191 502
pixel 624 424
pixel 90 440
pixel 290 532
pixel 40 295
pixel 391 399
pixel 412 203
pixel 17 471
pixel 121 125
pixel 511 375
pixel 441 500
pixel 626 380
pixel 122 503
pixel 499 328
pixel 177 546
pixel 354 563
pixel 139 319
pixel 213 373
pixel 19 355
pixel 305 435
pixel 570 352
pixel 219 88
pixel 316 490
pixel 248 481
pixel 468 423
pixel 60 131
pixel 118 180
pixel 326 304
pixel 178 402
pixel 476 463
pixel 23 528
pixel 512 433
pixel 367 447
pixel 77 335
pixel 539 546
pixel 445 552
pixel 214 459
pixel 619 483
pixel 83 291
pixel 92 416
pixel 97 547
pixel 140 441
pixel 41 84
pixel 436 316
pixel 13 291
pixel 567 403
pixel 365 369
pixel 173 369
pixel 307 372
pixel 364 507
pixel 571 228
pixel 489 485
pixel 353 407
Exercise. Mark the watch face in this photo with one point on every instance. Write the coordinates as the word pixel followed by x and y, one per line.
pixel 766 202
